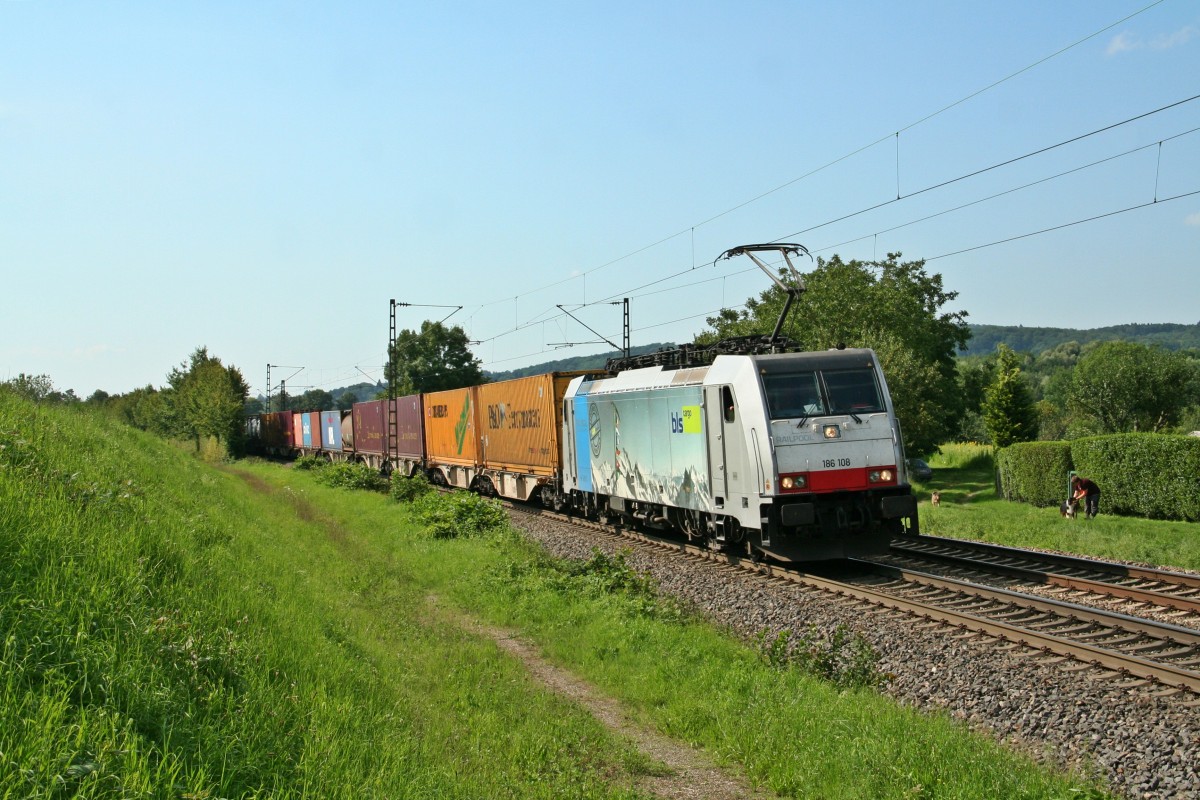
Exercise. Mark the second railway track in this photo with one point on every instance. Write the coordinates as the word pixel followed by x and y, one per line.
pixel 1112 646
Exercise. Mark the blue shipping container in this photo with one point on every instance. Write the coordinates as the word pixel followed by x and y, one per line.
pixel 331 430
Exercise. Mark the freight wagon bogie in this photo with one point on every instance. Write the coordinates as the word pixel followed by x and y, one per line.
pixel 519 486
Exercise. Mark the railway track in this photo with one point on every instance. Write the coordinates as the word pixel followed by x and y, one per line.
pixel 1108 646
pixel 1176 594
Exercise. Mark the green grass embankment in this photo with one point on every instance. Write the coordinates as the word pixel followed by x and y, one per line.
pixel 174 630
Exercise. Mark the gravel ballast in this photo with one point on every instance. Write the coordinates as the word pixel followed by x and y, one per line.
pixel 1145 746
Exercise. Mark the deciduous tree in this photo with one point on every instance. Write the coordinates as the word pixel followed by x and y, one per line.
pixel 432 359
pixel 892 305
pixel 1123 387
pixel 206 398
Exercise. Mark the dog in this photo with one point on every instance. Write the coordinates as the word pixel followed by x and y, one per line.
pixel 1067 508
pixel 936 498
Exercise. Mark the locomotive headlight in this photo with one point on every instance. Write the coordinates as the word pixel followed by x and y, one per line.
pixel 833 432
pixel 881 476
pixel 793 483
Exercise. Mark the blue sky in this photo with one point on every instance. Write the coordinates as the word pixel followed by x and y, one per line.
pixel 263 177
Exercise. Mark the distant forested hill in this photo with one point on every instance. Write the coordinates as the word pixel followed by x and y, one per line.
pixel 984 338
pixel 568 364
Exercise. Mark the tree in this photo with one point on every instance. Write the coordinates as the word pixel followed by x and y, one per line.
pixel 434 359
pixel 920 393
pixel 39 389
pixel 1123 387
pixel 206 398
pixel 1008 410
pixel 893 306
pixel 143 408
pixel 311 400
pixel 32 387
pixel 98 398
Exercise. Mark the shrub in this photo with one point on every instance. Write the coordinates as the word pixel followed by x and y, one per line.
pixel 1144 474
pixel 601 576
pixel 1035 472
pixel 345 475
pixel 1140 474
pixel 844 658
pixel 406 489
pixel 309 461
pixel 447 516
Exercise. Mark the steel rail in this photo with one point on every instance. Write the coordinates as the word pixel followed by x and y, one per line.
pixel 1161 672
pixel 1064 608
pixel 1150 596
pixel 924 541
pixel 1122 663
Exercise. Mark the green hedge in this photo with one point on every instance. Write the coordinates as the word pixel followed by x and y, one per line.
pixel 1143 474
pixel 1035 472
pixel 1139 474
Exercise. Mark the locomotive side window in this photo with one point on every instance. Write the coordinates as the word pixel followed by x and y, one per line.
pixel 853 390
pixel 793 394
pixel 727 403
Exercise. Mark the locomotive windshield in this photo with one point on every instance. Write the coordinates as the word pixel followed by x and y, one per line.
pixel 817 393
pixel 853 390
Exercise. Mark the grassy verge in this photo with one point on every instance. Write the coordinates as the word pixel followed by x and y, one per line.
pixel 970 509
pixel 174 630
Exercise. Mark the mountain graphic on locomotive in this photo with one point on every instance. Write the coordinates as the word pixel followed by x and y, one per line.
pixel 749 445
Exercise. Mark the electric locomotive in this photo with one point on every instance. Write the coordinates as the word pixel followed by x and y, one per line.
pixel 794 455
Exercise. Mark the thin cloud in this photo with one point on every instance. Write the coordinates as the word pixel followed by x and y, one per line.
pixel 1192 219
pixel 1123 42
pixel 1176 39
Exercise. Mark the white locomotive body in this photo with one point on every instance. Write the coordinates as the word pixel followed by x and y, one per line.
pixel 796 455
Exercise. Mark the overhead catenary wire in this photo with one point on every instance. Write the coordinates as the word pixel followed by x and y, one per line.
pixel 834 162
pixel 632 292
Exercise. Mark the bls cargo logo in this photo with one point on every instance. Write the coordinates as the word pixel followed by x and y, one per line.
pixel 686 420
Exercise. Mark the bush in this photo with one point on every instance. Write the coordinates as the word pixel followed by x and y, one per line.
pixel 601 576
pixel 1143 474
pixel 447 516
pixel 1035 472
pixel 844 658
pixel 307 462
pixel 406 489
pixel 345 475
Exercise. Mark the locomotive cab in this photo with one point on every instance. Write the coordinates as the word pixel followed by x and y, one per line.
pixel 840 483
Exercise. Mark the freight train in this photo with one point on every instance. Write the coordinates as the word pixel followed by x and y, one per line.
pixel 795 455
pixel 747 445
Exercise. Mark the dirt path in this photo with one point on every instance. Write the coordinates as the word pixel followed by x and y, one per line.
pixel 693 775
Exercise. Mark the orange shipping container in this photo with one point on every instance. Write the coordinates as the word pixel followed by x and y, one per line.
pixel 520 422
pixel 451 431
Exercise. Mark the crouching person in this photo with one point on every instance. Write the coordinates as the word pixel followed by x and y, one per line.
pixel 1086 492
